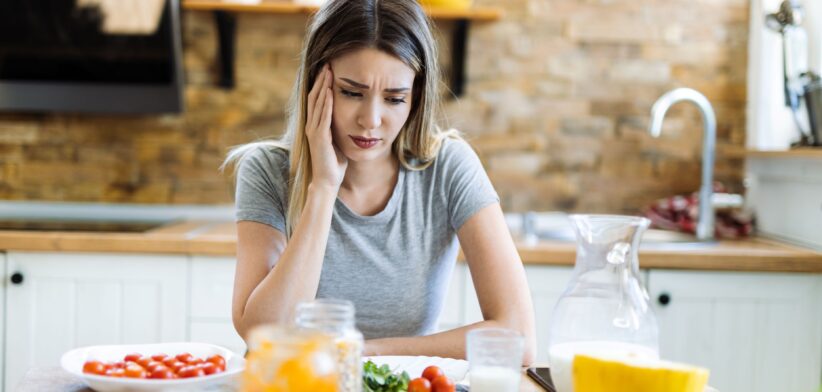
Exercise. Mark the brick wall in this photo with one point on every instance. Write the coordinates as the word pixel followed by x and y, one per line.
pixel 557 104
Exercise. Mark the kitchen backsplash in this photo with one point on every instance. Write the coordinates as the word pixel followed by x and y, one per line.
pixel 557 104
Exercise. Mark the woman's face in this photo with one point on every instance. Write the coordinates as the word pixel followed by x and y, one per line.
pixel 372 100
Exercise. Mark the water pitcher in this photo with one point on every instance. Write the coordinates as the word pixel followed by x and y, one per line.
pixel 604 309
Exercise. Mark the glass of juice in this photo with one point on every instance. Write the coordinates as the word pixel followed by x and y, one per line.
pixel 286 359
pixel 494 359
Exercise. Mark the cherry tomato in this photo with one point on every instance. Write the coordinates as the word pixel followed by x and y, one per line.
pixel 94 367
pixel 184 357
pixel 196 361
pixel 154 365
pixel 218 361
pixel 419 385
pixel 118 365
pixel 170 361
pixel 443 384
pixel 177 366
pixel 161 373
pixel 135 371
pixel 144 361
pixel 209 368
pixel 432 372
pixel 159 357
pixel 133 357
pixel 116 372
pixel 191 371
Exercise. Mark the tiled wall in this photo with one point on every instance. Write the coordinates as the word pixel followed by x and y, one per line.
pixel 557 104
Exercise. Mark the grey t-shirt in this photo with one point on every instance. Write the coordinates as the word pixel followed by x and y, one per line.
pixel 394 266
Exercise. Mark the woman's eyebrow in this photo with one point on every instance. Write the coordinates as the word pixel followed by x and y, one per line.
pixel 366 87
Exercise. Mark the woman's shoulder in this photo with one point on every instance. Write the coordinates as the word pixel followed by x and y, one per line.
pixel 455 151
pixel 263 158
pixel 265 154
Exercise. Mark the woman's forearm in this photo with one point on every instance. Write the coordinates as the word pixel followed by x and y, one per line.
pixel 447 344
pixel 296 276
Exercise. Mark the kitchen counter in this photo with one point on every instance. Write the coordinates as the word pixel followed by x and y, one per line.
pixel 219 238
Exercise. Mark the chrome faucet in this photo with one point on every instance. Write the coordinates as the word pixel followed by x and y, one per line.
pixel 705 226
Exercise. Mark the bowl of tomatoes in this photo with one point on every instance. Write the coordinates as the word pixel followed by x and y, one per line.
pixel 154 367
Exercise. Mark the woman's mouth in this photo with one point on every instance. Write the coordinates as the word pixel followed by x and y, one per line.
pixel 364 142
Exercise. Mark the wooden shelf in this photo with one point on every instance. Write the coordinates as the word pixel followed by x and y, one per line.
pixel 271 7
pixel 805 152
pixel 224 13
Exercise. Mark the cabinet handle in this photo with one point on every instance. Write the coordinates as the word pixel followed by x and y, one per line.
pixel 16 278
pixel 664 299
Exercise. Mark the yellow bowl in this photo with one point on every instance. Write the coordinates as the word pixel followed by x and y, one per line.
pixel 453 4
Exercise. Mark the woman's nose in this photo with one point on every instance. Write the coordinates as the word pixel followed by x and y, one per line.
pixel 369 116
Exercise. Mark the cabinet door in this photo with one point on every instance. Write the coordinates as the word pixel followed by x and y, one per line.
pixel 451 315
pixel 546 284
pixel 70 300
pixel 756 332
pixel 212 285
pixel 6 282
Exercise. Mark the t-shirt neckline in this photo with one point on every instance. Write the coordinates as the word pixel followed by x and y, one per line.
pixel 386 212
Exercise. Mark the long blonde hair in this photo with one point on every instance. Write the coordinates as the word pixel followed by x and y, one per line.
pixel 397 27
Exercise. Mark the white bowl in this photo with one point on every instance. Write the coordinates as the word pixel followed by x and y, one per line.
pixel 73 361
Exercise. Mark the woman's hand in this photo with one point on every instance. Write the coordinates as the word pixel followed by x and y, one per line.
pixel 327 161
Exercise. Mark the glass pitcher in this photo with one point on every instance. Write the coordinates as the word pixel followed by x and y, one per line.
pixel 604 309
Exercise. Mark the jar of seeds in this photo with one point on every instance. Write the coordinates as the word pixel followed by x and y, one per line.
pixel 336 318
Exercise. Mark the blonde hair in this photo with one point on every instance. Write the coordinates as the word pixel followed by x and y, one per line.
pixel 397 27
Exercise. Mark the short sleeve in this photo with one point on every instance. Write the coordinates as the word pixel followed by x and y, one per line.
pixel 262 186
pixel 467 186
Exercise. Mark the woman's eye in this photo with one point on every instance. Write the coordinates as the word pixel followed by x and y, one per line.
pixel 350 93
pixel 395 100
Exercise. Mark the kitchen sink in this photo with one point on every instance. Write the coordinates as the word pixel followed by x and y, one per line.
pixel 80 225
pixel 555 226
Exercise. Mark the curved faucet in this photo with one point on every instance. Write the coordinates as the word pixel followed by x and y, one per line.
pixel 705 226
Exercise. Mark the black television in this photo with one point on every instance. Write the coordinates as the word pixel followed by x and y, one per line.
pixel 91 56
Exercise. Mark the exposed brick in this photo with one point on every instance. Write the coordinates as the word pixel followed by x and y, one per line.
pixel 557 104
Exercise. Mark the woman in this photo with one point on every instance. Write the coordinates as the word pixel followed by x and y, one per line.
pixel 365 198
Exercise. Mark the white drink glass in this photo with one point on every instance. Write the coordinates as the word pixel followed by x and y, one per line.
pixel 495 359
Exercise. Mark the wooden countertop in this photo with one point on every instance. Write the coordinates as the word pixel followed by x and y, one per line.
pixel 219 239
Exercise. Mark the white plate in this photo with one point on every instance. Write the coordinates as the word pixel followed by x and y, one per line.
pixel 73 361
pixel 455 369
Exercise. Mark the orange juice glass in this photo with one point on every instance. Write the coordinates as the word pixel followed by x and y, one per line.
pixel 284 359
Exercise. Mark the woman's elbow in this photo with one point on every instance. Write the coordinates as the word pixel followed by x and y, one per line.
pixel 530 352
pixel 525 326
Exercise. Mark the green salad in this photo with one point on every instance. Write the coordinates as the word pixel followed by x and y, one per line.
pixel 382 379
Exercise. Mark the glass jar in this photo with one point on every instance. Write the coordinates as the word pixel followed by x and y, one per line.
pixel 286 359
pixel 604 309
pixel 336 318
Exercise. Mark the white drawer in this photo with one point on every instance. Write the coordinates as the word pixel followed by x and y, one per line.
pixel 212 284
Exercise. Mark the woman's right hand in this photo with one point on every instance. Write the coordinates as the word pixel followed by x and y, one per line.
pixel 327 161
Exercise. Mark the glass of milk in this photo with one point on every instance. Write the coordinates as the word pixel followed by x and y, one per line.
pixel 494 359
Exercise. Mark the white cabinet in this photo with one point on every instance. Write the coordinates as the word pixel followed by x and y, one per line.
pixel 69 300
pixel 786 195
pixel 756 332
pixel 5 282
pixel 546 283
pixel 451 315
pixel 212 284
